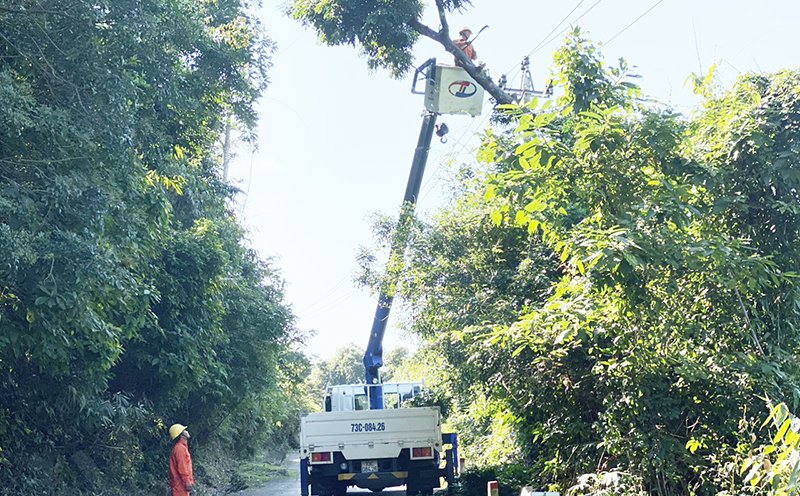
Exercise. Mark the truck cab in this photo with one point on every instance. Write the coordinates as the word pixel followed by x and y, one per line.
pixel 350 444
pixel 351 397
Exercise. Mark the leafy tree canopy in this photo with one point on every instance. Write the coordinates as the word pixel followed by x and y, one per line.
pixel 616 288
pixel 128 300
pixel 385 32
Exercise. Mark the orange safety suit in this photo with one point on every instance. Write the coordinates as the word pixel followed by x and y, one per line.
pixel 468 50
pixel 180 468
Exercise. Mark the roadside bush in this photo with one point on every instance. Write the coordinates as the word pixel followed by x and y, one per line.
pixel 511 479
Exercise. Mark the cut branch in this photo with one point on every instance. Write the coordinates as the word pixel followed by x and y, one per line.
pixel 445 30
pixel 443 38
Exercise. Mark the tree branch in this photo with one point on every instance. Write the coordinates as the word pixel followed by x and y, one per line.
pixel 445 30
pixel 747 322
pixel 443 38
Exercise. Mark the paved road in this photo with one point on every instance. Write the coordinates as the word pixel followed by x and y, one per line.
pixel 290 485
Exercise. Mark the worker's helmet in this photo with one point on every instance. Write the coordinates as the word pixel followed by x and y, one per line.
pixel 176 430
pixel 466 30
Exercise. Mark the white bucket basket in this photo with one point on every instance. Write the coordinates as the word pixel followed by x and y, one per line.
pixel 450 90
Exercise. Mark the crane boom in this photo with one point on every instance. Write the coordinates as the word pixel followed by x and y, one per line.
pixel 348 445
pixel 373 357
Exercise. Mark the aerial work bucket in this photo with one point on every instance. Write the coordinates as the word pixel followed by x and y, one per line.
pixel 450 90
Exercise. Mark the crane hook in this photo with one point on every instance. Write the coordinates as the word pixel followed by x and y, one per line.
pixel 441 131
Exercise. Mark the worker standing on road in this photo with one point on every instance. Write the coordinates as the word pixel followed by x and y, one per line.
pixel 180 462
pixel 465 45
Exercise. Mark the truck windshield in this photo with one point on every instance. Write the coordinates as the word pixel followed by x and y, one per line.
pixel 362 402
pixel 390 400
pixel 356 396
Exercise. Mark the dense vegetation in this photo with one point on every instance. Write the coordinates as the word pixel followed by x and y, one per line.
pixel 608 305
pixel 612 302
pixel 128 298
pixel 613 296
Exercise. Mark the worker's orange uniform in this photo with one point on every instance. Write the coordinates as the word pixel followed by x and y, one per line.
pixel 180 468
pixel 468 49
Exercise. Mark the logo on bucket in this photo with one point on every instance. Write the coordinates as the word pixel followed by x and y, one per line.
pixel 462 89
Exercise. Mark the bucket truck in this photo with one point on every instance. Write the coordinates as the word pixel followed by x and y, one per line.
pixel 367 436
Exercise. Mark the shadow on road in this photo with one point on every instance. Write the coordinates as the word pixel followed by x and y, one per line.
pixel 290 485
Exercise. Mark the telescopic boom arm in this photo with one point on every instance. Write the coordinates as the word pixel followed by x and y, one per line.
pixel 373 358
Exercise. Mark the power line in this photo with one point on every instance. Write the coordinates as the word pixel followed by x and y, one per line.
pixel 330 291
pixel 634 22
pixel 249 180
pixel 330 306
pixel 567 27
pixel 458 145
pixel 548 34
pixel 430 182
pixel 556 27
pixel 543 44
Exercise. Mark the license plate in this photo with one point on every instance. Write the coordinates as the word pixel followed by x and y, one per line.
pixel 369 466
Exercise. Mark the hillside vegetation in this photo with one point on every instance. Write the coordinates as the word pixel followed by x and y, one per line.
pixel 609 305
pixel 128 298
pixel 611 299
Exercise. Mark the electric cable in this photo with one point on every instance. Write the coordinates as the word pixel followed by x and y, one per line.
pixel 567 27
pixel 452 153
pixel 443 158
pixel 556 27
pixel 458 145
pixel 541 45
pixel 330 291
pixel 432 181
pixel 249 180
pixel 330 306
pixel 283 50
pixel 634 22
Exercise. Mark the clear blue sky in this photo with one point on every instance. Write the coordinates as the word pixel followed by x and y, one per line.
pixel 336 142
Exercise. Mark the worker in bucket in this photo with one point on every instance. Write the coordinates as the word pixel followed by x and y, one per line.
pixel 180 462
pixel 465 45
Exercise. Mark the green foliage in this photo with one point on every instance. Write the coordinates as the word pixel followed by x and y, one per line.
pixel 127 299
pixel 384 31
pixel 616 288
pixel 379 28
pixel 772 469
pixel 608 484
pixel 394 364
pixel 346 366
pixel 510 477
